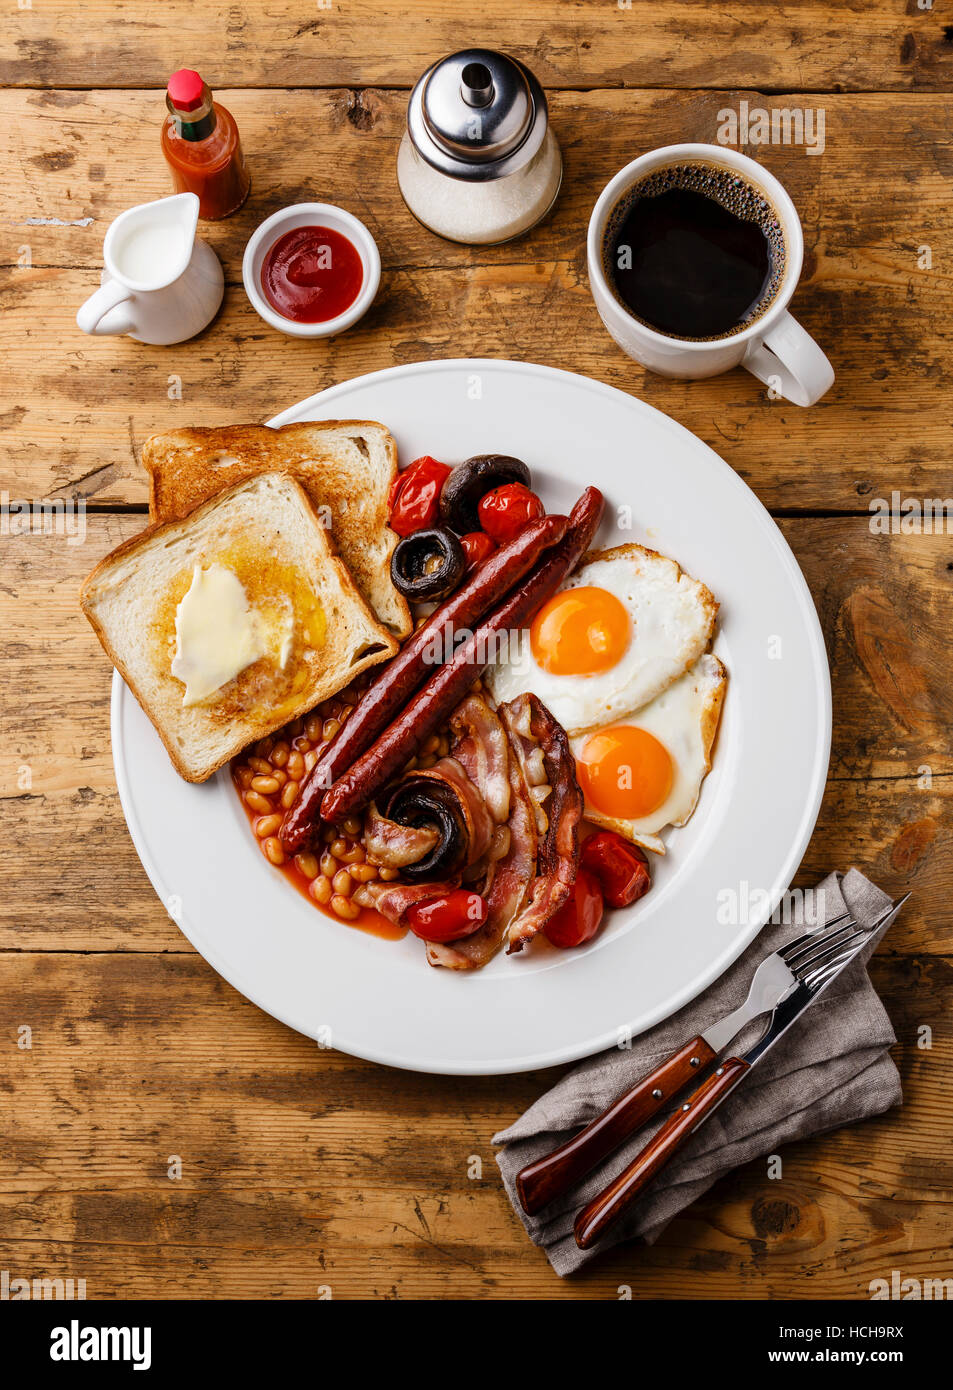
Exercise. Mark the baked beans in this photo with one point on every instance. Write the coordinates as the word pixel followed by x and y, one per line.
pixel 269 778
pixel 345 908
pixel 273 850
pixel 306 864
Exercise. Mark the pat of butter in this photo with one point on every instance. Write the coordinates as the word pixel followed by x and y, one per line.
pixel 216 633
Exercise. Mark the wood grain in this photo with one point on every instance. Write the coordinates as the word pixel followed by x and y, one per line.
pixel 80 407
pixel 305 1171
pixel 576 43
pixel 295 1176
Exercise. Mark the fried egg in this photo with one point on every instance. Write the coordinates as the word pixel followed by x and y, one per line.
pixel 624 627
pixel 646 773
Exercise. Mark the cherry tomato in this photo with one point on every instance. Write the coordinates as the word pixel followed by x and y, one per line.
pixel 621 869
pixel 458 914
pixel 578 919
pixel 506 510
pixel 477 546
pixel 414 499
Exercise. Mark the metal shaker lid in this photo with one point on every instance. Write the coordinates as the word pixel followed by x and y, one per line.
pixel 477 115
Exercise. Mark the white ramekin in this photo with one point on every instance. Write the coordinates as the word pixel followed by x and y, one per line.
pixel 311 215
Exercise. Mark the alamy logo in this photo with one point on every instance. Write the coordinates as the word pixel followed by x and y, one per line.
pixel 54 517
pixel 747 903
pixel 75 1343
pixel 898 1287
pixel 16 1289
pixel 910 516
pixel 785 125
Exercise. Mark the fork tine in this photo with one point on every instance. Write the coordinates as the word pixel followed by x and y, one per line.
pixel 817 978
pixel 834 952
pixel 811 937
pixel 816 969
pixel 833 960
pixel 833 941
pixel 822 941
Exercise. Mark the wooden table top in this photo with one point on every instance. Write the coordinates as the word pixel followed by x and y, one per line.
pixel 301 1170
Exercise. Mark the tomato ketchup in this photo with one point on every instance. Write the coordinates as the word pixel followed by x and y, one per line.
pixel 312 274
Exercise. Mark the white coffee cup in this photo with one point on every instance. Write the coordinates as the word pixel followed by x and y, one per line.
pixel 775 348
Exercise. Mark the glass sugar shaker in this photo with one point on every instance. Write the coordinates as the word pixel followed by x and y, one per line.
pixel 478 162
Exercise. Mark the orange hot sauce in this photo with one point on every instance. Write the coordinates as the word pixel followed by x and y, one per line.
pixel 202 148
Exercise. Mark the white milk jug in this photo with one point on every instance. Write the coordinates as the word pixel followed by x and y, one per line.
pixel 159 284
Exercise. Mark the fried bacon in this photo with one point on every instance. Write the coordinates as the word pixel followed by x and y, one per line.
pixel 511 878
pixel 479 822
pixel 392 900
pixel 523 844
pixel 558 856
pixel 480 746
pixel 394 845
pixel 516 717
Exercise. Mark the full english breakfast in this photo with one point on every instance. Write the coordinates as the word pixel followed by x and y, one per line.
pixel 444 712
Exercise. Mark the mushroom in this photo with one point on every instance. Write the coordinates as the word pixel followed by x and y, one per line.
pixel 469 483
pixel 427 565
pixel 428 801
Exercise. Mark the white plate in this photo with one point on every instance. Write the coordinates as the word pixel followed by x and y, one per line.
pixel 379 999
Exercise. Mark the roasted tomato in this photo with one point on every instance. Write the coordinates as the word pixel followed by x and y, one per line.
pixel 415 495
pixel 621 869
pixel 458 914
pixel 471 480
pixel 477 546
pixel 578 919
pixel 506 510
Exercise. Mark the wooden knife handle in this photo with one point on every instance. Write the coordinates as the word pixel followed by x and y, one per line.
pixel 541 1182
pixel 596 1218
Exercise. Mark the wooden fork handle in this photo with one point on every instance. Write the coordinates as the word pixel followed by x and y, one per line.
pixel 606 1208
pixel 541 1182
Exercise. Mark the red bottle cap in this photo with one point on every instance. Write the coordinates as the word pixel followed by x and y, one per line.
pixel 185 89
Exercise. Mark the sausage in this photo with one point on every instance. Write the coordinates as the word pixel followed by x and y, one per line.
pixel 439 696
pixel 405 672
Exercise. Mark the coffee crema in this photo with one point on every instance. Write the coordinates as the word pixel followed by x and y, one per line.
pixel 694 251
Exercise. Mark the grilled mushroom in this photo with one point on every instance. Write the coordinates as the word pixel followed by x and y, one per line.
pixel 469 483
pixel 428 801
pixel 427 565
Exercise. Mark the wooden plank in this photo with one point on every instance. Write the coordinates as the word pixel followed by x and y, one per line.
pixel 72 878
pixel 80 407
pixel 582 43
pixel 118 1081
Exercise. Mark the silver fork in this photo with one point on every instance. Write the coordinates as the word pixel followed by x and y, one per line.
pixel 811 956
pixel 809 960
pixel 811 963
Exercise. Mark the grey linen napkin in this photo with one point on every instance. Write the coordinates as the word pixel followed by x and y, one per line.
pixel 832 1068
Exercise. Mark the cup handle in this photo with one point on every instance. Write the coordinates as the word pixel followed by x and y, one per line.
pixel 788 358
pixel 91 314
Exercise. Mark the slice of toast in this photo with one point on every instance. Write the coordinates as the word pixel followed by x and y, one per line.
pixel 345 466
pixel 300 609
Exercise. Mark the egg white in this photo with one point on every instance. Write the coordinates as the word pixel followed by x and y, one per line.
pixel 684 718
pixel 672 618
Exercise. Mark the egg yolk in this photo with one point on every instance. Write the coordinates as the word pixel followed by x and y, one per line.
pixel 580 632
pixel 625 772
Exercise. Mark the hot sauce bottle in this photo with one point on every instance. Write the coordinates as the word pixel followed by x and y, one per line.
pixel 201 144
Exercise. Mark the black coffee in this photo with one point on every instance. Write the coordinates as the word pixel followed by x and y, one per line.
pixel 694 251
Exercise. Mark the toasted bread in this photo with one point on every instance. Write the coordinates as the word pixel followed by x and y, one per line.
pixel 345 466
pixel 310 622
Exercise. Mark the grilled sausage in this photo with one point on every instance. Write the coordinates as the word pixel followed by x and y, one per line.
pixel 439 696
pixel 406 671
